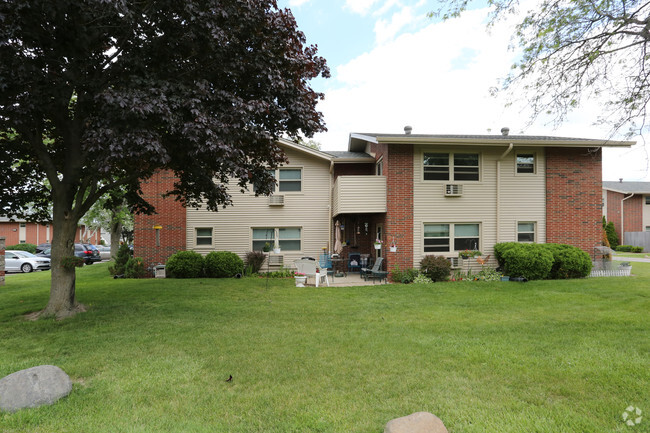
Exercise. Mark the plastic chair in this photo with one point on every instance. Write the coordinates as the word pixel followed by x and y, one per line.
pixel 375 271
pixel 310 269
pixel 325 261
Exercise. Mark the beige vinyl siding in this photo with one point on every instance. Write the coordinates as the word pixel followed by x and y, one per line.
pixel 307 210
pixel 359 194
pixel 522 198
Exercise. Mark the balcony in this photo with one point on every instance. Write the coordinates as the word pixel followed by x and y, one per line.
pixel 359 194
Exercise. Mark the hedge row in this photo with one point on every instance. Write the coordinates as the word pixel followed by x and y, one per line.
pixel 216 264
pixel 629 249
pixel 542 261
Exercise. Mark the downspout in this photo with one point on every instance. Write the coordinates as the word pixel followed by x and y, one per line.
pixel 623 218
pixel 498 208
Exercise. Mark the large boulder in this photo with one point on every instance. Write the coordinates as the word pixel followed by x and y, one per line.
pixel 33 387
pixel 418 422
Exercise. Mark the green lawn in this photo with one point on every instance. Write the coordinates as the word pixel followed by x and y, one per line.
pixel 153 355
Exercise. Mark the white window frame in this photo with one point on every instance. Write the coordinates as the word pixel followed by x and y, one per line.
pixel 275 241
pixel 647 199
pixel 519 232
pixel 379 167
pixel 278 177
pixel 451 245
pixel 517 155
pixel 452 169
pixel 197 237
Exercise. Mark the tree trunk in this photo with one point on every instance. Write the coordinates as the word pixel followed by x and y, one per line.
pixel 116 235
pixel 62 301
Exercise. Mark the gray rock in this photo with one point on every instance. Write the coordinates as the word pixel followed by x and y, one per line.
pixel 418 422
pixel 33 387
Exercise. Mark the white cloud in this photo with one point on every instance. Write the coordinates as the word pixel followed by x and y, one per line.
pixel 386 30
pixel 361 7
pixel 437 80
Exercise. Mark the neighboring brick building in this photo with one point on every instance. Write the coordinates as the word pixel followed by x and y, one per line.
pixel 425 194
pixel 23 232
pixel 627 205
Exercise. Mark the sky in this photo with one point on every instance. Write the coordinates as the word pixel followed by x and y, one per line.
pixel 393 66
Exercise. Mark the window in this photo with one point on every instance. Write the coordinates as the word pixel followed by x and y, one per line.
pixel 451 237
pixel 647 228
pixel 451 166
pixel 203 236
pixel 526 232
pixel 525 163
pixel 647 199
pixel 256 184
pixel 290 179
pixel 379 167
pixel 288 238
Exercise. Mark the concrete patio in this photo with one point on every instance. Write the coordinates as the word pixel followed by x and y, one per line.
pixel 351 279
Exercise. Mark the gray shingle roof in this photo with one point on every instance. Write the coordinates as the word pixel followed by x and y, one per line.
pixel 347 154
pixel 628 187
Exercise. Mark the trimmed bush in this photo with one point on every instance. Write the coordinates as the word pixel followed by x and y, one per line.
pixel 254 261
pixel 405 276
pixel 542 261
pixel 612 237
pixel 123 255
pixel 134 268
pixel 30 248
pixel 184 264
pixel 622 249
pixel 436 268
pixel 569 262
pixel 223 264
pixel 531 261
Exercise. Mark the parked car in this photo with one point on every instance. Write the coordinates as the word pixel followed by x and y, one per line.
pixel 104 251
pixel 88 252
pixel 25 262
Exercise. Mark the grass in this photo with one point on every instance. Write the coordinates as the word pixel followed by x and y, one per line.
pixel 153 355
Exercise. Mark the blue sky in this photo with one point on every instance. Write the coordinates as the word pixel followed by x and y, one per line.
pixel 392 66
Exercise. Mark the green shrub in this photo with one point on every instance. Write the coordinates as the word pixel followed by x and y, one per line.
pixel 405 276
pixel 254 261
pixel 488 274
pixel 30 248
pixel 184 264
pixel 637 249
pixel 531 261
pixel 623 248
pixel 123 255
pixel 568 262
pixel 282 273
pixel 501 248
pixel 612 237
pixel 134 268
pixel 436 268
pixel 422 279
pixel 222 264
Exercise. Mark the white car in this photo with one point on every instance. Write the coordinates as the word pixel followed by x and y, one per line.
pixel 22 261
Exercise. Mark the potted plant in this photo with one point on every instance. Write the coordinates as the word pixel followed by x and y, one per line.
pixel 267 247
pixel 626 267
pixel 377 244
pixel 466 254
pixel 277 250
pixel 300 278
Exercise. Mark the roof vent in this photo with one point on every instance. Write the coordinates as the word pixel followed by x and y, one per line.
pixel 505 130
pixel 408 129
pixel 620 180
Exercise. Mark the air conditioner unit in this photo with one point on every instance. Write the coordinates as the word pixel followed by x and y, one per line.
pixel 454 262
pixel 276 200
pixel 453 190
pixel 276 260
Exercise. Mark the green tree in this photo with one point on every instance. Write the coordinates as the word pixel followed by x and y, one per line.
pixel 112 214
pixel 97 95
pixel 573 50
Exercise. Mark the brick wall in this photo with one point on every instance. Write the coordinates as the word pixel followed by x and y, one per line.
pixel 574 197
pixel 38 233
pixel 398 169
pixel 170 216
pixel 633 213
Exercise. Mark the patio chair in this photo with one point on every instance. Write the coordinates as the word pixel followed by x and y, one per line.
pixel 375 272
pixel 354 262
pixel 310 269
pixel 325 261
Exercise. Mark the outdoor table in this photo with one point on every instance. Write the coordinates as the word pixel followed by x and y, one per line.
pixel 338 266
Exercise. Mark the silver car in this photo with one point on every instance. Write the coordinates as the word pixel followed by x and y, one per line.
pixel 22 261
